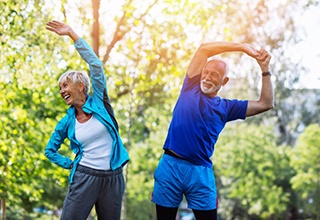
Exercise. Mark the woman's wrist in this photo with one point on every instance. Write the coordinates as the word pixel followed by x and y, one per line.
pixel 73 35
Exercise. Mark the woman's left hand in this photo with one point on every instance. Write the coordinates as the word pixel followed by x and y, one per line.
pixel 58 27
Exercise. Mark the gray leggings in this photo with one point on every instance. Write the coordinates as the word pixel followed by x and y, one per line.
pixel 104 189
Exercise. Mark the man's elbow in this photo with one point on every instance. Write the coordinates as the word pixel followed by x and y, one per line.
pixel 269 106
pixel 205 48
pixel 264 107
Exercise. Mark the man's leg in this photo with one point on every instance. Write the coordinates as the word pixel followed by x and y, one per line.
pixel 168 187
pixel 202 195
pixel 164 213
pixel 205 215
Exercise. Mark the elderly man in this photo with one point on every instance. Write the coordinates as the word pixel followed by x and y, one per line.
pixel 198 118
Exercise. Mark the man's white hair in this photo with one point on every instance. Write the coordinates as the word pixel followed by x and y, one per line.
pixel 221 60
pixel 75 77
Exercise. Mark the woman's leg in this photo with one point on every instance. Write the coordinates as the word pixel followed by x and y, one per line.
pixel 112 186
pixel 79 199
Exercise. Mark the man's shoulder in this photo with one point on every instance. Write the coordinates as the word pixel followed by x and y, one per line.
pixel 191 84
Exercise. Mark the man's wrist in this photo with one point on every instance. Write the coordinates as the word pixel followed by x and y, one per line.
pixel 266 73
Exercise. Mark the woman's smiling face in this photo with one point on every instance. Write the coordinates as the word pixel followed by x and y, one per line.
pixel 70 92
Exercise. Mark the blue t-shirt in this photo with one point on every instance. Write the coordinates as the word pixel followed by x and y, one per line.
pixel 198 120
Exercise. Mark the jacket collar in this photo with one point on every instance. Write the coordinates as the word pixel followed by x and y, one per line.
pixel 72 110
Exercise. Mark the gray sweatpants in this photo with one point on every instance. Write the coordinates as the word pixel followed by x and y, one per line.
pixel 104 189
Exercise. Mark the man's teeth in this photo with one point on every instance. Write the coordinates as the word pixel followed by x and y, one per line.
pixel 67 96
pixel 208 83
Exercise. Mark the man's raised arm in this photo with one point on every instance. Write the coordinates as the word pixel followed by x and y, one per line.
pixel 265 101
pixel 207 50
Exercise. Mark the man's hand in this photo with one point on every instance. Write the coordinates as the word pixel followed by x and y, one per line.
pixel 251 51
pixel 262 56
pixel 263 60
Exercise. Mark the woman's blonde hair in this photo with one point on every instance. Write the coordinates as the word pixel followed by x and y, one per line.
pixel 75 77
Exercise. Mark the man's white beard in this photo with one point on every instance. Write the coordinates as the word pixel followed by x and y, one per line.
pixel 207 90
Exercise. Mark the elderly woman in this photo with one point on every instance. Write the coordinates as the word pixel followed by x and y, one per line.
pixel 96 176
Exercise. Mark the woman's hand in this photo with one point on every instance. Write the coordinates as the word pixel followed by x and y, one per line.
pixel 62 29
pixel 58 27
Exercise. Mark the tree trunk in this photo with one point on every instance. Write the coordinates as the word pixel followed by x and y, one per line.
pixel 3 208
pixel 96 26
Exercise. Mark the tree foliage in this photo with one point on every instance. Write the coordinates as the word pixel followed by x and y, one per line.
pixel 252 171
pixel 305 159
pixel 146 47
pixel 29 110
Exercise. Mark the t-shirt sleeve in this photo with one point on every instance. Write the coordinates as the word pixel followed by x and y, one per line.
pixel 237 109
pixel 190 83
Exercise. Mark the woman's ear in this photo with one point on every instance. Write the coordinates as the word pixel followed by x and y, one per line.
pixel 80 87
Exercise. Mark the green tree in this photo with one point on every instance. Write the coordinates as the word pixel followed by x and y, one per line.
pixel 30 108
pixel 251 173
pixel 145 157
pixel 305 159
pixel 146 47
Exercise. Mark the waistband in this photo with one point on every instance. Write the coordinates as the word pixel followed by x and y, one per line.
pixel 99 173
pixel 168 152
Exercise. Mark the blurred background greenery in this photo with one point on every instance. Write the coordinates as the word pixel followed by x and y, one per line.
pixel 266 167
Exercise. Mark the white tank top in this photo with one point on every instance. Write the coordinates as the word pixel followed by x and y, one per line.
pixel 97 144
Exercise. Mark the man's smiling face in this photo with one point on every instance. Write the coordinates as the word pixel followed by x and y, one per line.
pixel 213 77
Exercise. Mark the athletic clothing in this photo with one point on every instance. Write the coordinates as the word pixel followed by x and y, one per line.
pixel 198 120
pixel 96 142
pixel 104 188
pixel 165 213
pixel 196 124
pixel 175 177
pixel 95 105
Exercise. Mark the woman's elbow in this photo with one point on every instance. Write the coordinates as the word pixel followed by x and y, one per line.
pixel 47 153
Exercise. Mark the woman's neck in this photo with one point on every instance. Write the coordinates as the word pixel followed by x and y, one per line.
pixel 81 115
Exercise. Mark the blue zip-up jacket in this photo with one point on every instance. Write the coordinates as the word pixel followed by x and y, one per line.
pixel 96 105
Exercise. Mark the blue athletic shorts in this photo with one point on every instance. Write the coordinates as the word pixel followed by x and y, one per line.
pixel 175 177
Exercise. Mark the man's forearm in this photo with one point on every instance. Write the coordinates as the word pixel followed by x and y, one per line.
pixel 267 88
pixel 215 48
pixel 267 92
pixel 207 50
